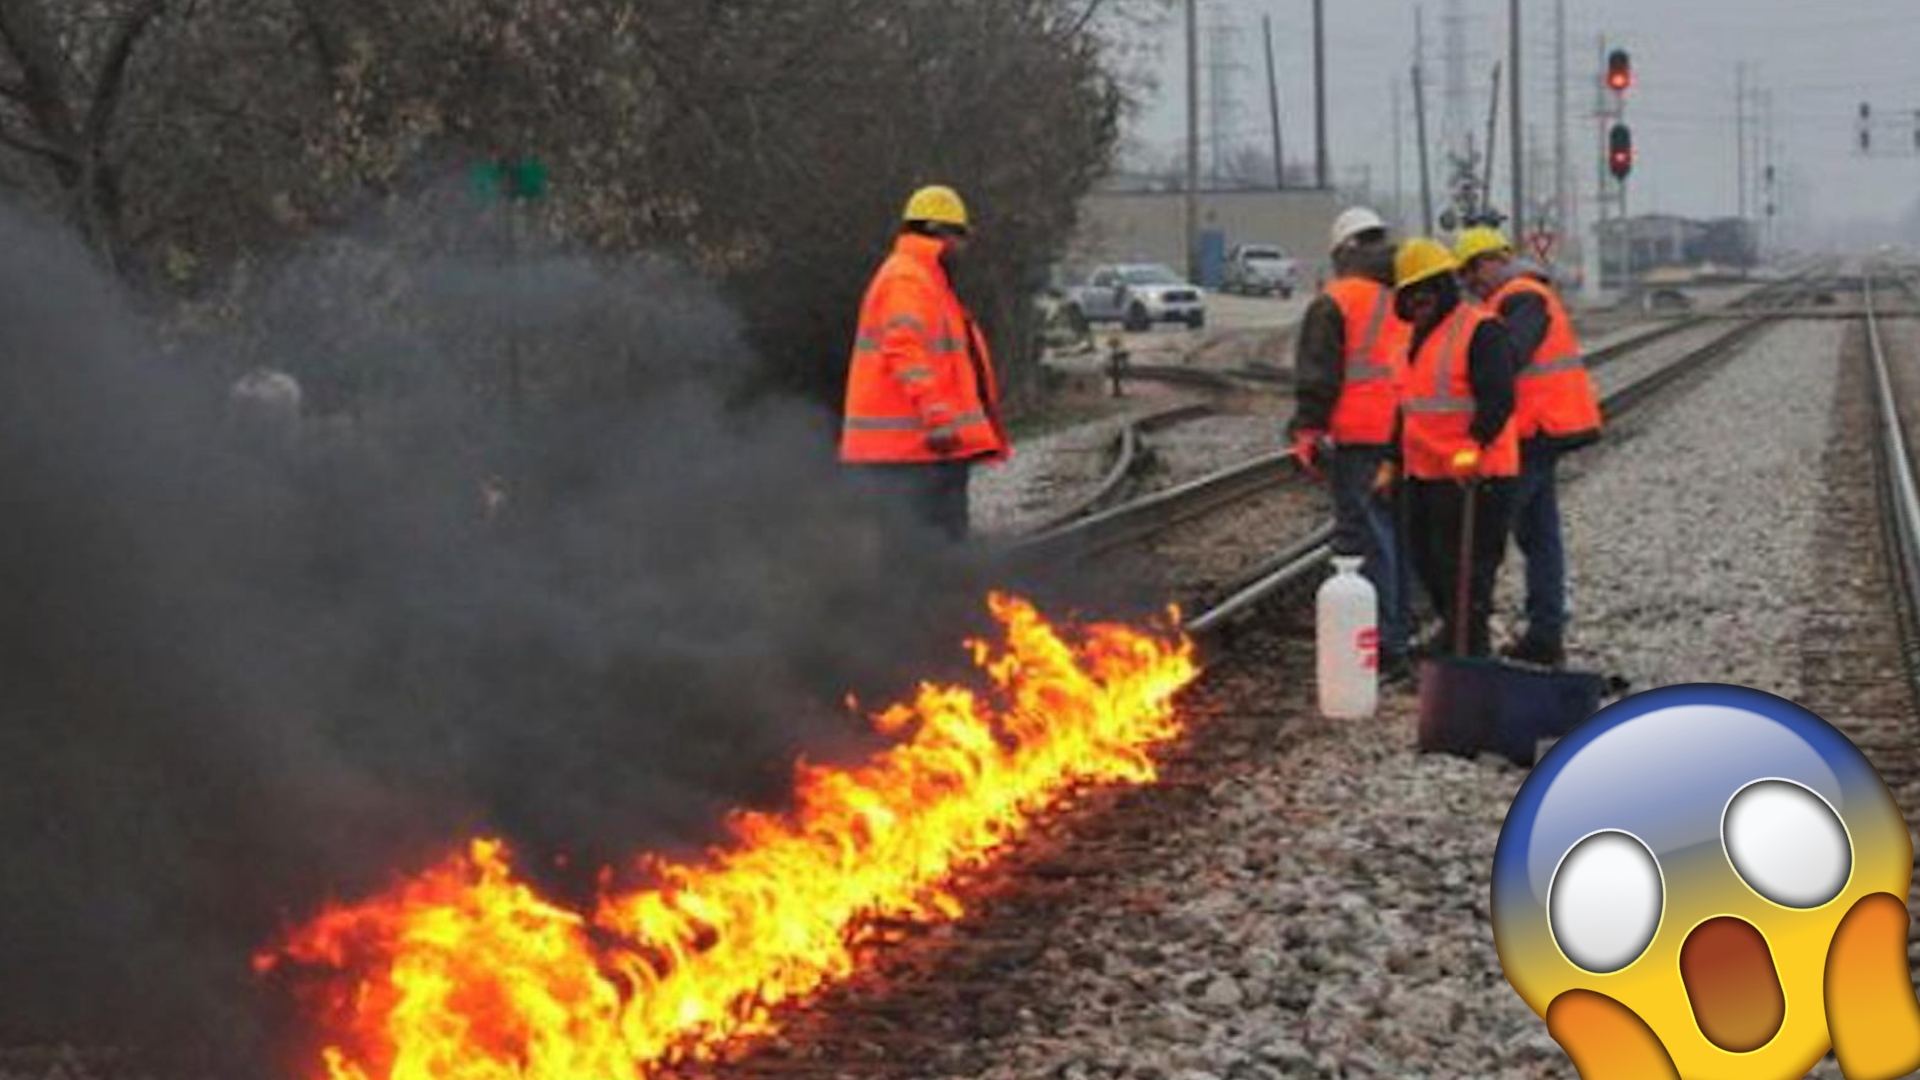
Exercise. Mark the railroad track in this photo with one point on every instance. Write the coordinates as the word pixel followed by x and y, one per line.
pixel 1861 659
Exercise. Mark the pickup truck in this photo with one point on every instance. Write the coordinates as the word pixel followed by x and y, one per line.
pixel 1136 295
pixel 1259 269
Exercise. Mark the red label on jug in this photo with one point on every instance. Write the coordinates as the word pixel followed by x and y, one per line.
pixel 1368 643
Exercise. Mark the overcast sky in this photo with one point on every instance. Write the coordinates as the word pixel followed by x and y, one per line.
pixel 1818 62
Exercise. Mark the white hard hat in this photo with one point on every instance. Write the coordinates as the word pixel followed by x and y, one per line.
pixel 1352 223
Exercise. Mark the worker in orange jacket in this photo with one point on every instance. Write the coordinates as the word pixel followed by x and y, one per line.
pixel 1556 410
pixel 1459 444
pixel 1349 361
pixel 922 402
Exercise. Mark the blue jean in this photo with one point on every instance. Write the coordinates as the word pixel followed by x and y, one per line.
pixel 1364 526
pixel 1536 528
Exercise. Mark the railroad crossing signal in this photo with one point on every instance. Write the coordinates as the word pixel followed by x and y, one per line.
pixel 1542 241
pixel 1619 71
pixel 1620 152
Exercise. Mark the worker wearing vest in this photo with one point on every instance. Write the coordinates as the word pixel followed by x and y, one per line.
pixel 922 400
pixel 1557 411
pixel 1458 426
pixel 1349 361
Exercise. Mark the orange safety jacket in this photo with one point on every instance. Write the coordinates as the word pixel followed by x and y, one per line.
pixel 1375 366
pixel 920 367
pixel 1553 391
pixel 1439 404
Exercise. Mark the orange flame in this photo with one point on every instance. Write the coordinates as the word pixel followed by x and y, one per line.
pixel 466 973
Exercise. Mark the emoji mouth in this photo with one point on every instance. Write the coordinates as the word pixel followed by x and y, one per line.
pixel 1732 984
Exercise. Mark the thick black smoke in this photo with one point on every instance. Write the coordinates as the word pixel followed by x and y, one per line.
pixel 241 676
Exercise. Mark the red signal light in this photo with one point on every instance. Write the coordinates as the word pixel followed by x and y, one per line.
pixel 1619 71
pixel 1620 152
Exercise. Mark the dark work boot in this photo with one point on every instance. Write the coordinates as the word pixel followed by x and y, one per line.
pixel 1396 670
pixel 1547 652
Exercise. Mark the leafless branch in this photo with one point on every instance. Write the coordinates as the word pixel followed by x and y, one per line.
pixel 34 147
pixel 110 84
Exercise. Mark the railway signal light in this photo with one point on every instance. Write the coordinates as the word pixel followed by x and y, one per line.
pixel 1620 152
pixel 1866 127
pixel 1619 71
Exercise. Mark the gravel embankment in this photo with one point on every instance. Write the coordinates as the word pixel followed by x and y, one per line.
pixel 1325 915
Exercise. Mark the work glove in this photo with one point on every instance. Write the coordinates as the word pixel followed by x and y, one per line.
pixel 1308 449
pixel 1466 463
pixel 943 441
pixel 1384 479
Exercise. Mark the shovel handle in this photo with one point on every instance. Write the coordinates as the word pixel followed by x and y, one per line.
pixel 1463 584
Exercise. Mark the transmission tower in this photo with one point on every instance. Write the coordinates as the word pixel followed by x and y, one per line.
pixel 1224 73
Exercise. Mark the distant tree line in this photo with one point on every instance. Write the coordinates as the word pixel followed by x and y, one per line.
pixel 766 143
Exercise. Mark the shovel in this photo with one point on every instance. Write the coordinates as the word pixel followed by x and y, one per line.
pixel 1470 705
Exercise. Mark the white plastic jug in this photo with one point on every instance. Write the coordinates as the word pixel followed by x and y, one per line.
pixel 1349 643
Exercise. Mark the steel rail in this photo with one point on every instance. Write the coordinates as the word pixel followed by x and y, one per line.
pixel 1899 494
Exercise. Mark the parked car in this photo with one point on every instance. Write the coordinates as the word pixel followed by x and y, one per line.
pixel 1136 295
pixel 1259 270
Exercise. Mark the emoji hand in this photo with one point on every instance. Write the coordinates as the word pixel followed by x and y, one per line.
pixel 1871 1011
pixel 1606 1040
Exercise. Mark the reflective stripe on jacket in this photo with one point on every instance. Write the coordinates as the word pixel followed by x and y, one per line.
pixel 1374 368
pixel 1554 393
pixel 1439 405
pixel 920 368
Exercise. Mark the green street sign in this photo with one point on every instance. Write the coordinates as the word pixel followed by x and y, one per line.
pixel 518 179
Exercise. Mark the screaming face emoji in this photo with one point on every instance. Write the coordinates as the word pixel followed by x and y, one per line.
pixel 1709 883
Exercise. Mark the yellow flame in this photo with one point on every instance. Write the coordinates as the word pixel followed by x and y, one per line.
pixel 466 973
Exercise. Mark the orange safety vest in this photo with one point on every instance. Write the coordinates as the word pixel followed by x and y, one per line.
pixel 1439 404
pixel 1375 366
pixel 920 366
pixel 1554 394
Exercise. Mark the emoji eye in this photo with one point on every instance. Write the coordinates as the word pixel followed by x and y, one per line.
pixel 1787 843
pixel 1604 904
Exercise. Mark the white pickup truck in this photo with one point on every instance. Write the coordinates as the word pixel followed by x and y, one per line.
pixel 1261 269
pixel 1136 295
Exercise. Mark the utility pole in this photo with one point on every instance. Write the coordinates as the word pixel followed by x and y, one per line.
pixel 1320 91
pixel 1399 157
pixel 1420 119
pixel 1457 124
pixel 1563 212
pixel 1273 109
pixel 1518 223
pixel 1493 131
pixel 1740 129
pixel 1193 140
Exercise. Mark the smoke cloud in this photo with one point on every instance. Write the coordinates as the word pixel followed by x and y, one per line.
pixel 243 674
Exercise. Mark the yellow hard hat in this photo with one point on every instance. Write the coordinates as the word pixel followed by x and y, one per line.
pixel 1420 259
pixel 938 205
pixel 1479 241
